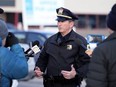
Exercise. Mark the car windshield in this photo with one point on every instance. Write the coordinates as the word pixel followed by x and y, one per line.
pixel 47 34
pixel 95 38
pixel 36 36
pixel 27 37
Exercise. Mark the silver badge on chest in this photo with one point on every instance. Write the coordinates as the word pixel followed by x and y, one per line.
pixel 69 47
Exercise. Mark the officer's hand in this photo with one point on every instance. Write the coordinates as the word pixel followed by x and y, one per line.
pixel 38 72
pixel 69 74
pixel 11 40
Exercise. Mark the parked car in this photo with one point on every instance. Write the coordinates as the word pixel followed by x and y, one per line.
pixel 94 39
pixel 46 31
pixel 31 64
pixel 25 37
pixel 29 36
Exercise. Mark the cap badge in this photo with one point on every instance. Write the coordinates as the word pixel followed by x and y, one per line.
pixel 69 47
pixel 60 11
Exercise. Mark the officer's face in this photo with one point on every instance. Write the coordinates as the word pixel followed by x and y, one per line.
pixel 65 26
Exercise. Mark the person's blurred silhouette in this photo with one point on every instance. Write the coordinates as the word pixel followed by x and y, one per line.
pixel 102 68
pixel 13 64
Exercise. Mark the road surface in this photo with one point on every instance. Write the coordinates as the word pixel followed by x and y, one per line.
pixel 36 82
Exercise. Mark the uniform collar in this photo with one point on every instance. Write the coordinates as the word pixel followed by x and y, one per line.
pixel 64 38
pixel 70 36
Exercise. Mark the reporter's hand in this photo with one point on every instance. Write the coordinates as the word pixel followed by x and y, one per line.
pixel 11 40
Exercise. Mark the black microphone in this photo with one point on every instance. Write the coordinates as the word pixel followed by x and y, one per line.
pixel 81 44
pixel 36 48
pixel 27 51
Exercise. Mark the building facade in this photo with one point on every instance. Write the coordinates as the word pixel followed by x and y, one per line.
pixel 92 13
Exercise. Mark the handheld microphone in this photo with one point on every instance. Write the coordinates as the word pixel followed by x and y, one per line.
pixel 36 43
pixel 36 48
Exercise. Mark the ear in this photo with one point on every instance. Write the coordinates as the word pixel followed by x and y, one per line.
pixel 71 24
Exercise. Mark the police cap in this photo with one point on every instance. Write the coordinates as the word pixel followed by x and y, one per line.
pixel 64 14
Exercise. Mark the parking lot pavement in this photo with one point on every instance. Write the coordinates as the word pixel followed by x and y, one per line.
pixel 38 82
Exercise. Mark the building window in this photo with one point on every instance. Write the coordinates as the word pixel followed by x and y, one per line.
pixel 91 21
pixel 102 21
pixel 82 21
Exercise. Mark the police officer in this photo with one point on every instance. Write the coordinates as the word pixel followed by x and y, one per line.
pixel 63 62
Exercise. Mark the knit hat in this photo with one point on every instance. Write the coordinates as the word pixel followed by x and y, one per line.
pixel 3 29
pixel 1 11
pixel 111 18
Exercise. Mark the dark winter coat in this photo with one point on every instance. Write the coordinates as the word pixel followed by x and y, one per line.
pixel 102 68
pixel 57 56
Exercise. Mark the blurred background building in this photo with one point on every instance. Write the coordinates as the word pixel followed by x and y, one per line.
pixel 92 13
